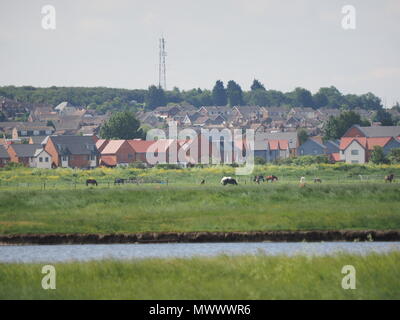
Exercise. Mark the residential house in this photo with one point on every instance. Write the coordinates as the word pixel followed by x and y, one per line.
pixel 41 159
pixel 4 156
pixel 117 152
pixel 101 144
pixel 23 153
pixel 29 129
pixel 359 149
pixel 373 132
pixel 275 112
pixel 65 108
pixel 291 137
pixel 303 113
pixel 72 151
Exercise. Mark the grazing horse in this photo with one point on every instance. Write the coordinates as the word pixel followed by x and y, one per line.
pixel 228 180
pixel 91 181
pixel 302 182
pixel 389 178
pixel 271 178
pixel 119 181
pixel 203 181
pixel 258 179
pixel 317 180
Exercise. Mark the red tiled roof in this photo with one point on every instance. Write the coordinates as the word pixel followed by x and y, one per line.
pixel 345 142
pixel 273 144
pixel 101 144
pixel 335 156
pixel 283 144
pixel 278 144
pixel 113 146
pixel 366 143
pixel 140 146
pixel 108 160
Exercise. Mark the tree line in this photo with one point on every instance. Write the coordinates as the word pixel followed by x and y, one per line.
pixel 104 99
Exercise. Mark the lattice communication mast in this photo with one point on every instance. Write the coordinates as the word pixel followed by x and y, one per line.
pixel 162 71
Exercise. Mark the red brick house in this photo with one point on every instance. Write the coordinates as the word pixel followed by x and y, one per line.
pixel 73 151
pixel 23 153
pixel 117 152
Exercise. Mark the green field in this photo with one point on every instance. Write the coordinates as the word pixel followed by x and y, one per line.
pixel 245 277
pixel 201 208
pixel 57 201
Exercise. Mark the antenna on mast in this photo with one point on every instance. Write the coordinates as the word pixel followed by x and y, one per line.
pixel 162 71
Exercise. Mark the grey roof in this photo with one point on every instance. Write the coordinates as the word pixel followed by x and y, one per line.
pixel 26 150
pixel 3 153
pixel 380 131
pixel 79 145
pixel 38 139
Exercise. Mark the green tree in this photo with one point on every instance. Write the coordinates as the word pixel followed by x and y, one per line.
pixel 234 93
pixel 394 156
pixel 258 97
pixel 155 97
pixel 320 100
pixel 122 125
pixel 300 97
pixel 384 117
pixel 303 135
pixel 336 127
pixel 219 95
pixel 377 155
pixel 257 85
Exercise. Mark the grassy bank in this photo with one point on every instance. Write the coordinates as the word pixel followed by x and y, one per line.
pixel 250 277
pixel 201 208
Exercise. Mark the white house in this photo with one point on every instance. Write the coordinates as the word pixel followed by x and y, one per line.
pixel 41 159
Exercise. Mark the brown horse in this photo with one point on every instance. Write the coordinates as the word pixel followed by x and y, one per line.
pixel 389 178
pixel 317 180
pixel 91 181
pixel 271 178
pixel 258 179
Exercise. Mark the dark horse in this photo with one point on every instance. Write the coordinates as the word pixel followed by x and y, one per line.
pixel 119 181
pixel 258 179
pixel 389 178
pixel 91 181
pixel 228 180
pixel 271 178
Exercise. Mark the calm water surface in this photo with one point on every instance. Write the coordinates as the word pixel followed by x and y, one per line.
pixel 63 253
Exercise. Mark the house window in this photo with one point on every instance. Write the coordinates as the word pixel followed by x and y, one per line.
pixel 35 133
pixel 130 156
pixel 64 158
pixel 48 131
pixel 40 159
pixel 301 151
pixel 354 152
pixel 46 159
pixel 92 157
pixel 23 133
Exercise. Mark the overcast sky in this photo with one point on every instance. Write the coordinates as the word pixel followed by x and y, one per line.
pixel 283 43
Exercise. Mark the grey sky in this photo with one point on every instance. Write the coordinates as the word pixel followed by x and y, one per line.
pixel 283 43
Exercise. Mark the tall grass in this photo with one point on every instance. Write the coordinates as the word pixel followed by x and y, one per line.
pixel 223 277
pixel 201 208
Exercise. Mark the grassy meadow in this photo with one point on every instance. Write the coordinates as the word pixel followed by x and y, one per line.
pixel 159 208
pixel 222 277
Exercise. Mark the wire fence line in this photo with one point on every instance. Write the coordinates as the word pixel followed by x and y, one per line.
pixel 248 180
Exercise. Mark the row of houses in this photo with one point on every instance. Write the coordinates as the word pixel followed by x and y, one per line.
pixel 356 145
pixel 262 119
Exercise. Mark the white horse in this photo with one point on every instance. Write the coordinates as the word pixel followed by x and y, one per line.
pixel 228 180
